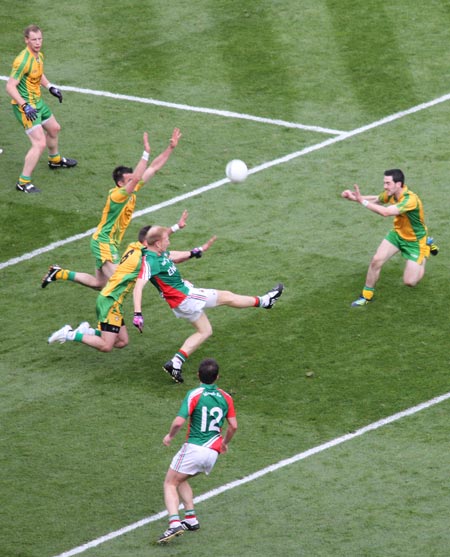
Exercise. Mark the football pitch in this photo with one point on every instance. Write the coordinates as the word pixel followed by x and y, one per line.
pixel 342 447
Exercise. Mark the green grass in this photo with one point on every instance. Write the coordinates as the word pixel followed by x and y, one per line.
pixel 81 452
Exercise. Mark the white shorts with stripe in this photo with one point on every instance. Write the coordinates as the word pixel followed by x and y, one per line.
pixel 194 459
pixel 198 299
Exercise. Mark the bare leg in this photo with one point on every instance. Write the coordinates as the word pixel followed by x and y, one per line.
pixel 172 483
pixel 385 251
pixel 186 494
pixel 107 341
pixel 52 128
pixel 101 277
pixel 38 142
pixel 227 298
pixel 203 332
pixel 414 272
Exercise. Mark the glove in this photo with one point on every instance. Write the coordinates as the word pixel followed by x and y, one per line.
pixel 138 320
pixel 56 93
pixel 30 112
pixel 196 252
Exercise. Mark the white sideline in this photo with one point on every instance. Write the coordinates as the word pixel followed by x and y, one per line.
pixel 177 106
pixel 331 141
pixel 272 468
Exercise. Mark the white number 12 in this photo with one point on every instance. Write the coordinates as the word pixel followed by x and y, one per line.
pixel 214 418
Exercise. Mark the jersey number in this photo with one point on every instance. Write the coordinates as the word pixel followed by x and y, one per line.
pixel 211 420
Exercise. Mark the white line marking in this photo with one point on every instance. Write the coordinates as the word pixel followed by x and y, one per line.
pixel 214 111
pixel 224 181
pixel 256 475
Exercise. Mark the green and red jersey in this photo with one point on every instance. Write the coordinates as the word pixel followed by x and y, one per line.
pixel 162 272
pixel 207 407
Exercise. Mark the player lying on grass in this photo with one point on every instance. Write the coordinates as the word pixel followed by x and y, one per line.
pixel 186 301
pixel 116 216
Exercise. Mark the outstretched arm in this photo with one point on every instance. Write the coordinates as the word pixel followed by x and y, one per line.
pixel 140 167
pixel 181 256
pixel 161 159
pixel 355 195
pixel 372 203
pixel 180 224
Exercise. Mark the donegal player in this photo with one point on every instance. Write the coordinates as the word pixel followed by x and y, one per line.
pixel 116 216
pixel 24 88
pixel 409 236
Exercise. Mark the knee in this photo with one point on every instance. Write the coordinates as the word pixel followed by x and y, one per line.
pixel 40 145
pixel 106 348
pixel 410 282
pixel 120 344
pixel 53 130
pixel 206 332
pixel 376 262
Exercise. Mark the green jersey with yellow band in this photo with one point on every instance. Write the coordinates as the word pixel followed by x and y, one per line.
pixel 116 215
pixel 410 223
pixel 28 69
pixel 124 277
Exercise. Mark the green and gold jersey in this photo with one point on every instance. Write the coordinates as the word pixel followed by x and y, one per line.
pixel 116 215
pixel 28 70
pixel 126 273
pixel 410 223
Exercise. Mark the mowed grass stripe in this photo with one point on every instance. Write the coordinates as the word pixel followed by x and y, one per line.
pixel 254 170
pixel 260 473
pixel 189 108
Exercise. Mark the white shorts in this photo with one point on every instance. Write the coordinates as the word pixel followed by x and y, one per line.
pixel 198 299
pixel 194 459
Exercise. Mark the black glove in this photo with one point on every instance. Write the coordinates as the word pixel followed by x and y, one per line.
pixel 30 112
pixel 196 252
pixel 56 93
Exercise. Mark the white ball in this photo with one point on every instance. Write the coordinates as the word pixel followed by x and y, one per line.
pixel 236 170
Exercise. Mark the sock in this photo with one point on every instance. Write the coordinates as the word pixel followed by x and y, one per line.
pixel 174 521
pixel 262 301
pixel 78 337
pixel 190 517
pixel 258 301
pixel 65 274
pixel 179 359
pixel 24 179
pixel 54 158
pixel 368 292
